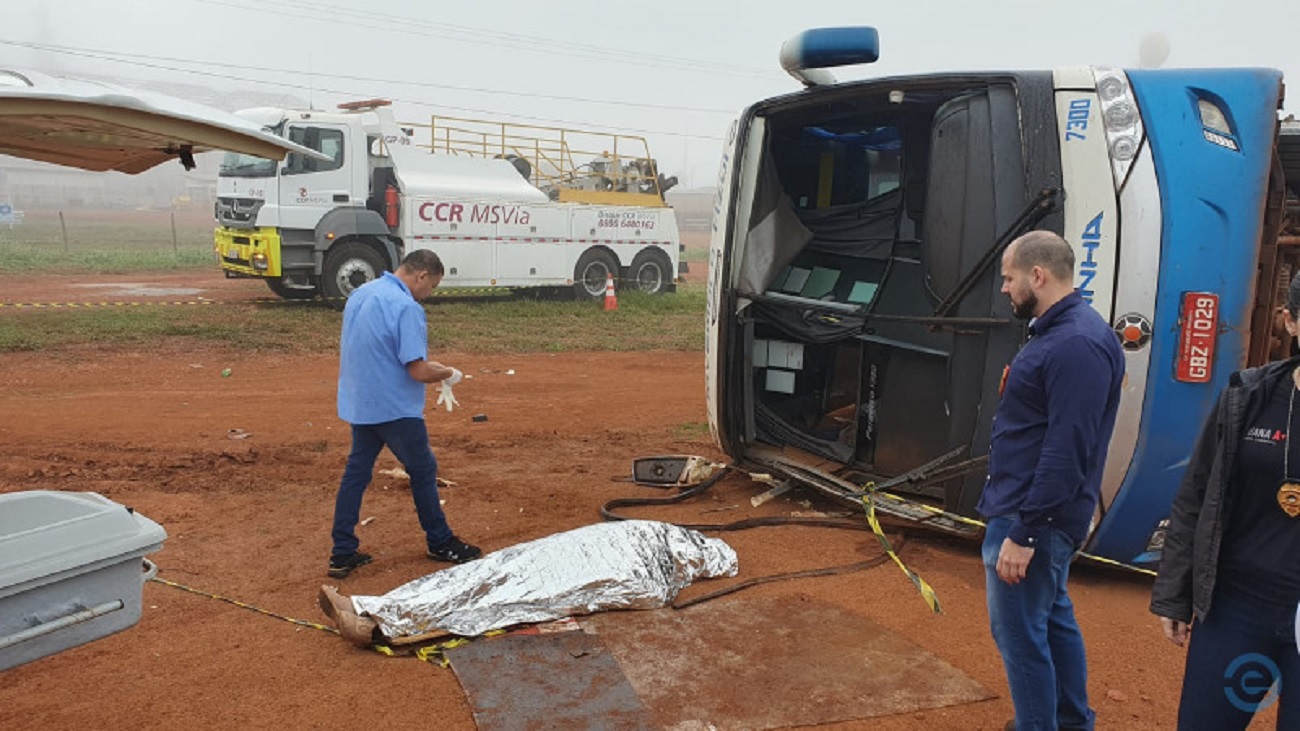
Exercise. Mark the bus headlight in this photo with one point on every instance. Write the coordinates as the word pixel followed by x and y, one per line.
pixel 1124 148
pixel 259 261
pixel 1121 115
pixel 1212 117
pixel 1121 118
pixel 1215 125
pixel 1111 88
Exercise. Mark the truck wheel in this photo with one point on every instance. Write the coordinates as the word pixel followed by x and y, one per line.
pixel 651 272
pixel 284 291
pixel 590 273
pixel 349 265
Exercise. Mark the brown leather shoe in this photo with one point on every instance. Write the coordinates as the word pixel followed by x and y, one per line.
pixel 355 628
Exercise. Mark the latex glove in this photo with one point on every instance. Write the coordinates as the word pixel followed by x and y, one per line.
pixel 445 396
pixel 454 378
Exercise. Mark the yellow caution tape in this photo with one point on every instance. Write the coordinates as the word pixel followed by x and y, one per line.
pixel 432 653
pixel 927 592
pixel 1113 562
pixel 435 653
pixel 972 521
pixel 89 305
pixel 242 605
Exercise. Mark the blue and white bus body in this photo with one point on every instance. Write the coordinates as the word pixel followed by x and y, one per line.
pixel 882 361
pixel 1199 193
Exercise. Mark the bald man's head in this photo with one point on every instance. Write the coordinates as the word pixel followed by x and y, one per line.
pixel 1037 271
pixel 1043 249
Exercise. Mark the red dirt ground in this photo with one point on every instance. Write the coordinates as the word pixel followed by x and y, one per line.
pixel 249 519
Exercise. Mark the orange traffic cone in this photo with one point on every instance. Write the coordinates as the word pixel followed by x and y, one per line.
pixel 611 299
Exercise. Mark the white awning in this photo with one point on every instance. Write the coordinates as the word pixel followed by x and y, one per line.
pixel 98 126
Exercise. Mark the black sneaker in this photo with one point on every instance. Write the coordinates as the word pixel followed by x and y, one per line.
pixel 341 566
pixel 454 550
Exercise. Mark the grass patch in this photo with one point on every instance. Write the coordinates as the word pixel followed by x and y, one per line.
pixel 28 258
pixel 137 242
pixel 248 327
pixel 694 256
pixel 691 430
pixel 107 242
pixel 642 322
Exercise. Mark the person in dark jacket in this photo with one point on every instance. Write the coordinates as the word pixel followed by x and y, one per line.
pixel 1229 576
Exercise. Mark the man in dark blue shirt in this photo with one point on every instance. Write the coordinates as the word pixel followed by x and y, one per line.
pixel 1053 424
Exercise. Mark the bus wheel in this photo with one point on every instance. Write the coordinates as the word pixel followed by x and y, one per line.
pixel 285 291
pixel 349 265
pixel 652 272
pixel 590 273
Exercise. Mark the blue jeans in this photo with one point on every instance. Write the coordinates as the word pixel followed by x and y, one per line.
pixel 1235 656
pixel 1035 631
pixel 408 440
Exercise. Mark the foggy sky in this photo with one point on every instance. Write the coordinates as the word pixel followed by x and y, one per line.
pixel 690 66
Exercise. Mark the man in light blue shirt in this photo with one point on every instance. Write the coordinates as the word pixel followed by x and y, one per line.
pixel 383 369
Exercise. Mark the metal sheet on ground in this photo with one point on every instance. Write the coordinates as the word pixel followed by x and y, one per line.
pixel 559 681
pixel 775 662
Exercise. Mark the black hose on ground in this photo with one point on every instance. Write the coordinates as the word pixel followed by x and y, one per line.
pixel 607 512
pixel 897 540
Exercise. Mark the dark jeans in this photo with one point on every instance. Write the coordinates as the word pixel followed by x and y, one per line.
pixel 408 440
pixel 1035 631
pixel 1234 658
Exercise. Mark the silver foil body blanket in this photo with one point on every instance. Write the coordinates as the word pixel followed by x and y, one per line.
pixel 633 564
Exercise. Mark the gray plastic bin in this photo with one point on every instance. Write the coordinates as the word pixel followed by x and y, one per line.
pixel 72 569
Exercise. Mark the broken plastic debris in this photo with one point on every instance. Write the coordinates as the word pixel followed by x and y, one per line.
pixel 510 372
pixel 779 488
pixel 238 434
pixel 480 417
pixel 225 373
pixel 396 473
pixel 367 521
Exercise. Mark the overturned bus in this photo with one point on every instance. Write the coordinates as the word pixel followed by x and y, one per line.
pixel 856 330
